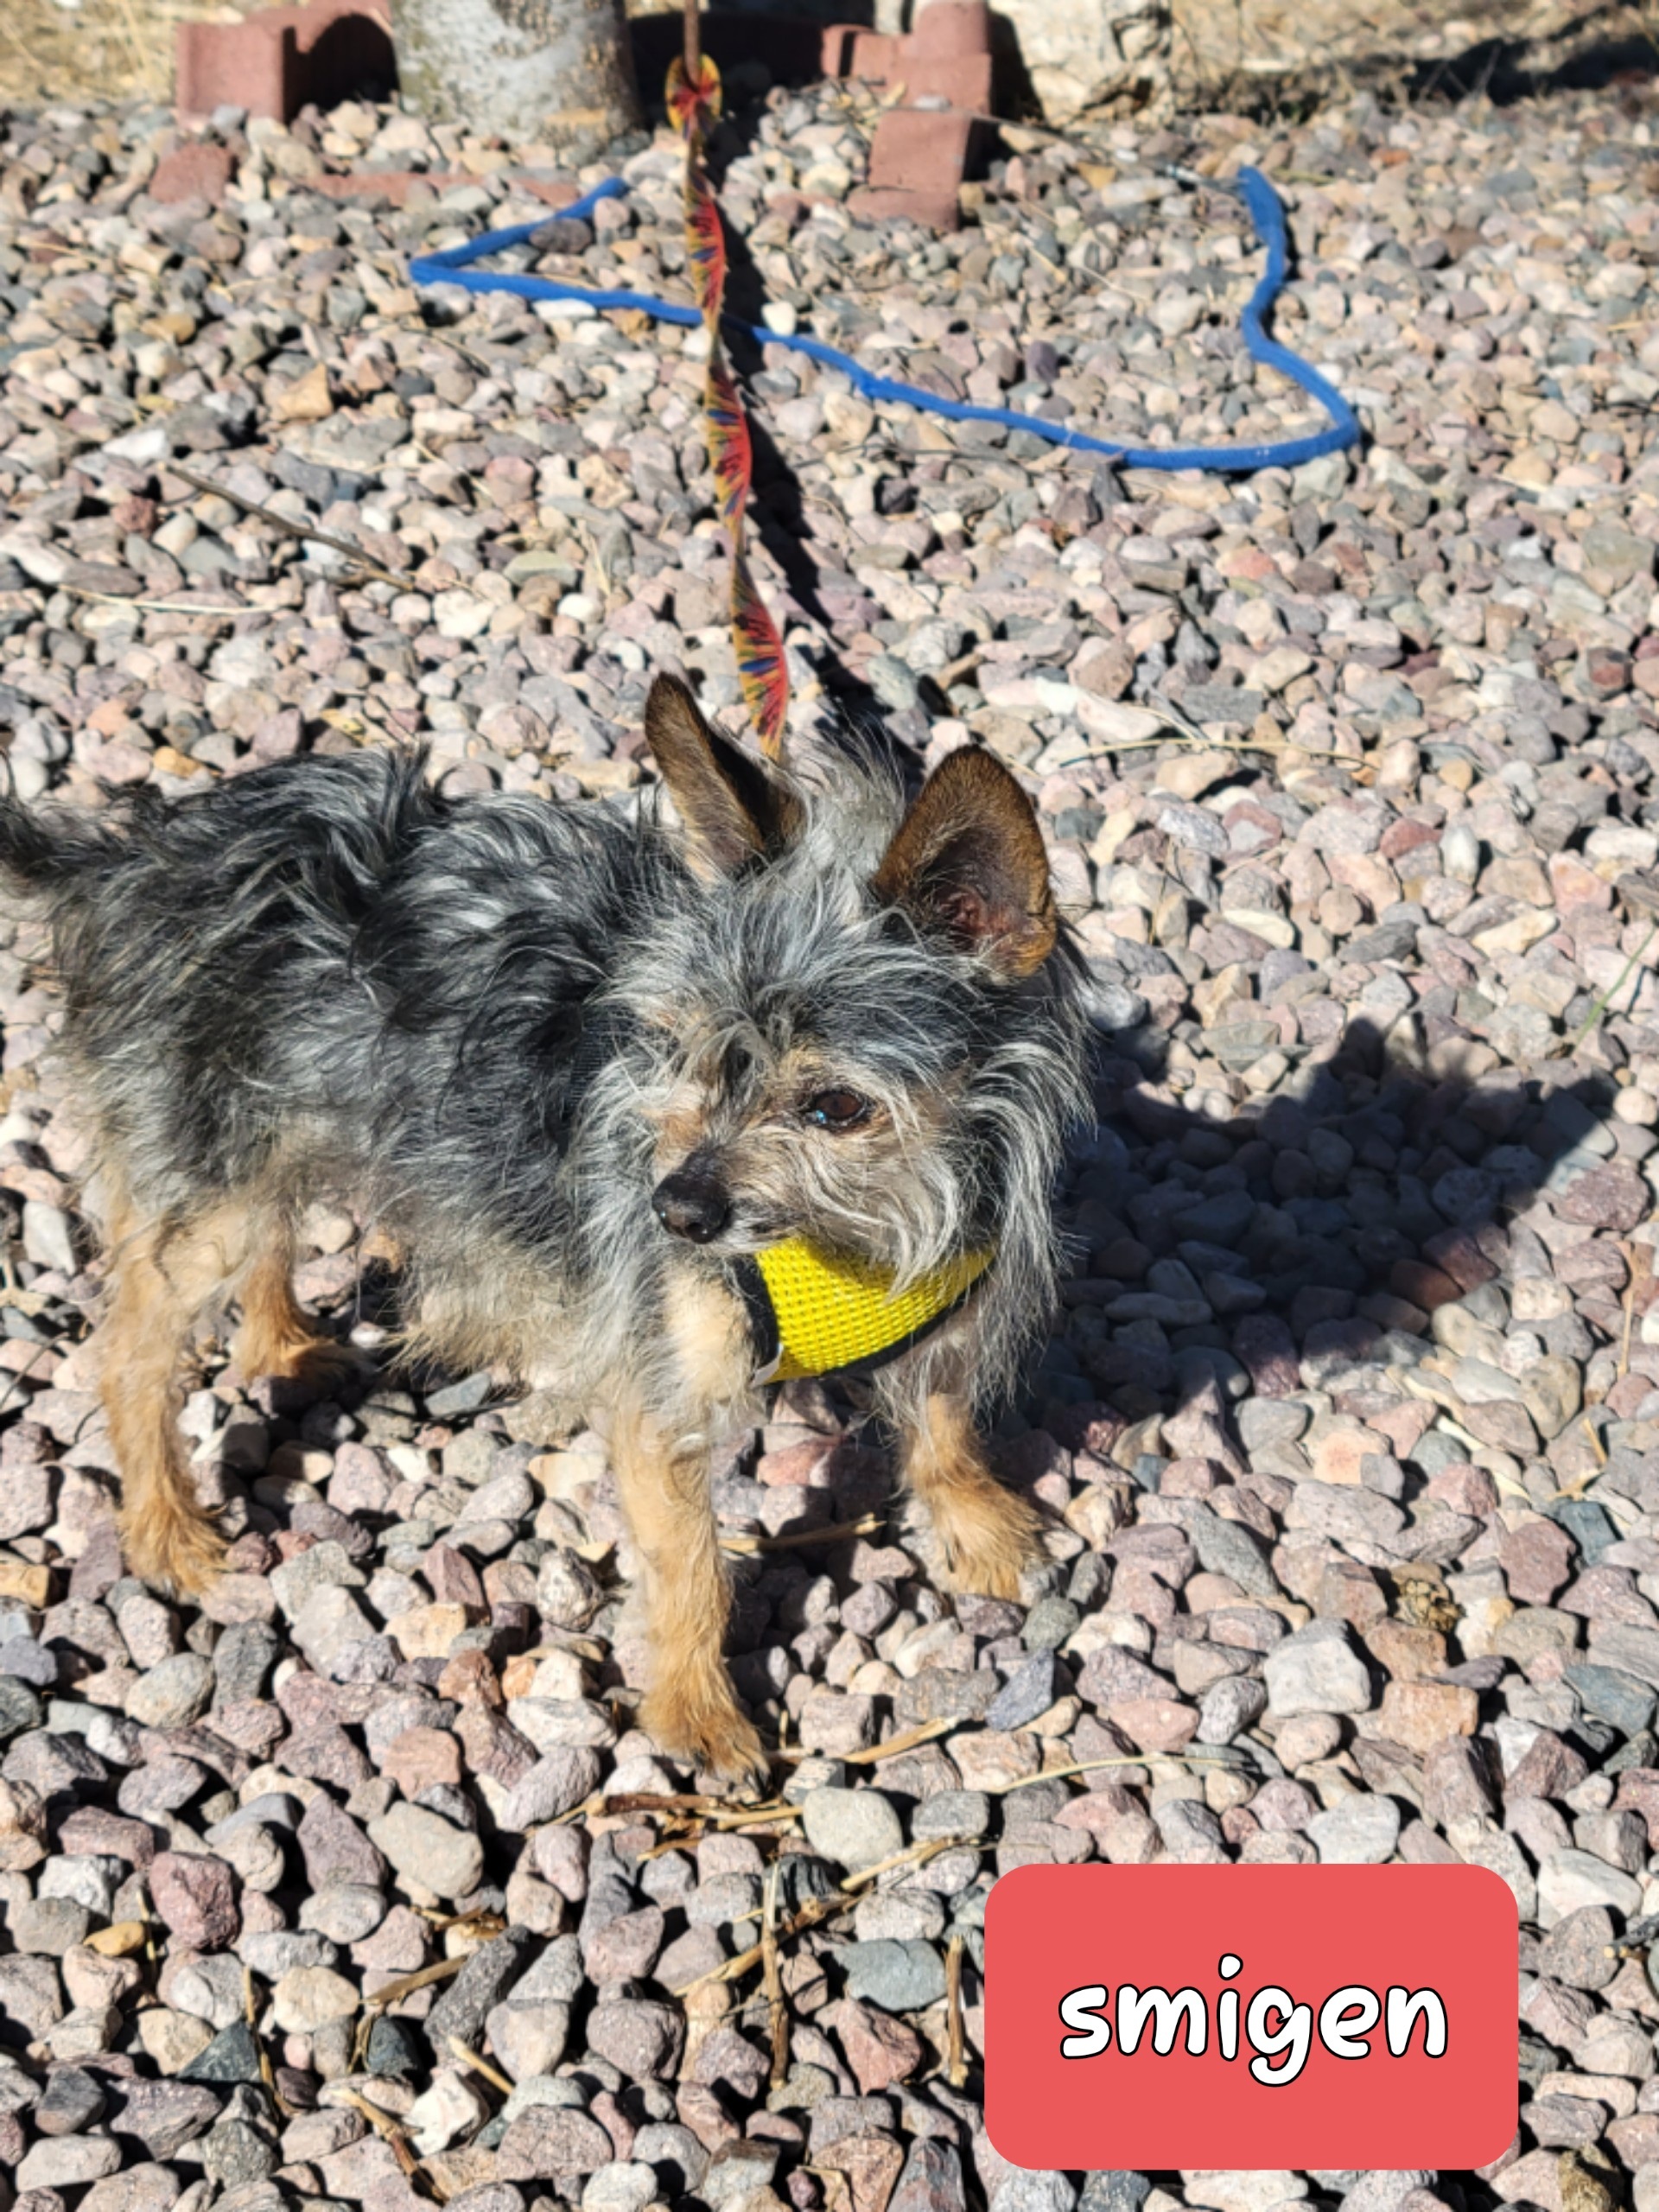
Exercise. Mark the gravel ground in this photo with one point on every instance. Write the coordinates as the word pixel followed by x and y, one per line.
pixel 1350 1429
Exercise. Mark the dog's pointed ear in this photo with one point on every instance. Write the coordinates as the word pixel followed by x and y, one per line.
pixel 733 811
pixel 968 861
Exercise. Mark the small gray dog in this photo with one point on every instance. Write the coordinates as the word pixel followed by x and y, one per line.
pixel 654 1116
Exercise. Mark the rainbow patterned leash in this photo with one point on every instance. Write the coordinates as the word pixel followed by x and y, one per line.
pixel 694 104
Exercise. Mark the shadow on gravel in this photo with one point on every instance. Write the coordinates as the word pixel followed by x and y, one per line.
pixel 1505 69
pixel 1498 69
pixel 1380 1188
pixel 788 48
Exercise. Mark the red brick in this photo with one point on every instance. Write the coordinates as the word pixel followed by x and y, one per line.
pixel 394 185
pixel 397 185
pixel 916 163
pixel 851 51
pixel 947 56
pixel 557 192
pixel 933 211
pixel 948 28
pixel 281 59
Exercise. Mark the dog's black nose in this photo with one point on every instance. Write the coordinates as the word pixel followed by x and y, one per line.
pixel 691 1205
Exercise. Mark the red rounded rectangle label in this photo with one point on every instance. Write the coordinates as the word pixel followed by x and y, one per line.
pixel 1205 2017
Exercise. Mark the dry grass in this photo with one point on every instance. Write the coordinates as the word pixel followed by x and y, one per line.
pixel 1246 52
pixel 111 50
pixel 103 49
pixel 1252 52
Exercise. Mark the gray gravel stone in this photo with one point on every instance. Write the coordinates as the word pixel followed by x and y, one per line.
pixel 1032 2192
pixel 898 1977
pixel 1316 1670
pixel 1579 1949
pixel 72 2102
pixel 1029 1690
pixel 855 1828
pixel 50 1926
pixel 232 2056
pixel 66 2162
pixel 1108 2191
pixel 1228 1706
pixel 173 1693
pixel 1359 1831
pixel 486 1978
pixel 425 1849
pixel 1611 1695
pixel 1049 1622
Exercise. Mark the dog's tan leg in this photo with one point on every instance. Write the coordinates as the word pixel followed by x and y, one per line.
pixel 987 1537
pixel 277 1337
pixel 161 1280
pixel 691 1707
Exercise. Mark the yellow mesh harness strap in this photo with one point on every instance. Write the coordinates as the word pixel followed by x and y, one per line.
pixel 816 1313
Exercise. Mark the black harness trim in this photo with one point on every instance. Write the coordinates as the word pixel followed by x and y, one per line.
pixel 751 1286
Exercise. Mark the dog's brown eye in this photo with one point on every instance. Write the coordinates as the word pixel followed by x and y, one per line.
pixel 837 1110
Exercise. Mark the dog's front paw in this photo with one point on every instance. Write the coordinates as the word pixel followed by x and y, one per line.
pixel 988 1542
pixel 706 1729
pixel 183 1552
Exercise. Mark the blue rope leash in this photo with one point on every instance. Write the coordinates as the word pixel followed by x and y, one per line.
pixel 453 266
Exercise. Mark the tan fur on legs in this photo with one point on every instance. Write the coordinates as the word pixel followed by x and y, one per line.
pixel 277 1336
pixel 988 1536
pixel 162 1280
pixel 691 1707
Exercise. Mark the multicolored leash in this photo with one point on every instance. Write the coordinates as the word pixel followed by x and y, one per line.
pixel 694 103
pixel 694 107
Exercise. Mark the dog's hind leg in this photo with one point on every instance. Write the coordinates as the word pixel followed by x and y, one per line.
pixel 987 1537
pixel 277 1337
pixel 164 1277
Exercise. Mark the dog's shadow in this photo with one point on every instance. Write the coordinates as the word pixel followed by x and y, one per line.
pixel 1378 1182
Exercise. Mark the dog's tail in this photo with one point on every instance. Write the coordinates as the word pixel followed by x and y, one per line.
pixel 43 854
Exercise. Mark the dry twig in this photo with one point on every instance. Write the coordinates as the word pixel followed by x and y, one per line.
pixel 773 1980
pixel 955 2061
pixel 914 1855
pixel 927 1732
pixel 267 2073
pixel 477 2063
pixel 655 1800
pixel 406 1984
pixel 391 2132
pixel 1629 1251
pixel 1568 1045
pixel 1088 1766
pixel 149 606
pixel 832 1532
pixel 814 1911
pixel 284 522
pixel 485 1917
pixel 694 1827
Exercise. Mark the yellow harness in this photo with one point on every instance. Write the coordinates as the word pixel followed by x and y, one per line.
pixel 817 1312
